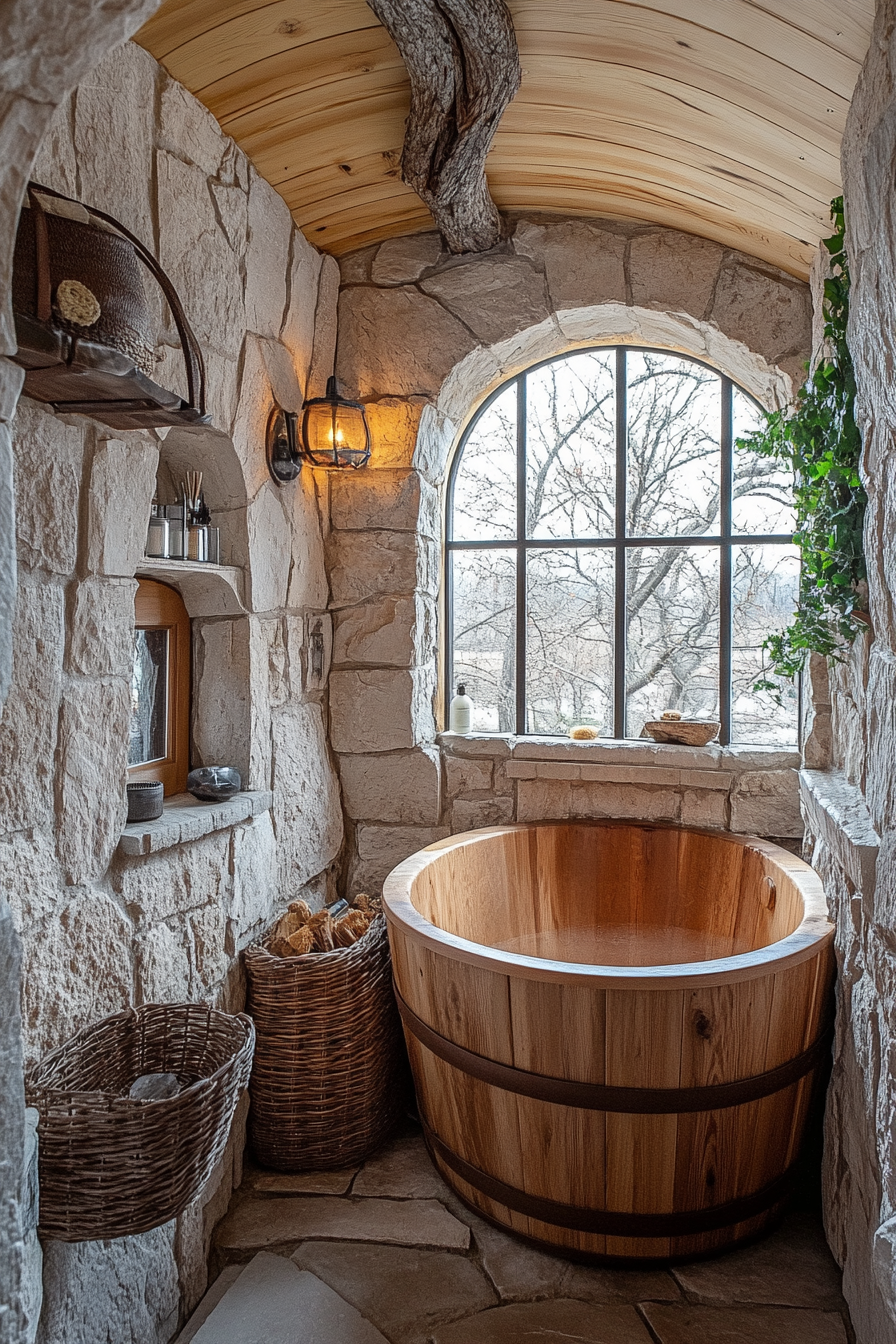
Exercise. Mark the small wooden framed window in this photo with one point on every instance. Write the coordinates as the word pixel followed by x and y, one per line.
pixel 159 739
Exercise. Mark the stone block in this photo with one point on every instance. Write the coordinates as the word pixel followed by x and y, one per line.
pixel 706 779
pixel 367 564
pixel 76 969
pixel 101 639
pixel 671 270
pixel 163 965
pixel 558 770
pixel 56 163
pixel 397 342
pixel 467 776
pixel 354 267
pixel 28 727
pixel 124 1289
pixel 323 354
pixel 495 296
pixel 113 127
pixel 308 586
pixel 120 491
pixel 254 1223
pixel 91 775
pixel 468 814
pixel 255 889
pixel 267 257
pixel 766 309
pixel 47 518
pixel 270 1296
pixel 476 745
pixel 162 886
pixel 404 788
pixel 405 1292
pixel 746 1325
pixel 188 130
pixel 270 549
pixel 302 299
pixel 223 673
pixel 393 424
pixel 584 263
pixel 401 261
pixel 382 632
pixel 196 254
pixel 700 807
pixel 381 848
pixel 530 770
pixel 30 879
pixel 624 800
pixel 377 710
pixel 766 802
pixel 390 499
pixel 436 437
pixel 307 815
pixel 554 1322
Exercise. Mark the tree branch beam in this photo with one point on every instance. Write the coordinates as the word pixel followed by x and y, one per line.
pixel 464 67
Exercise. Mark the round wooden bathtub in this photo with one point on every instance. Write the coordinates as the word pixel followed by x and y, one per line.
pixel 614 1028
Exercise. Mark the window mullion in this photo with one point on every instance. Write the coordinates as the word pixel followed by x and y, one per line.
pixel 725 574
pixel 619 639
pixel 521 594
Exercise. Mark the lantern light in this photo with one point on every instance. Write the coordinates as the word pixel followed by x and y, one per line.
pixel 334 431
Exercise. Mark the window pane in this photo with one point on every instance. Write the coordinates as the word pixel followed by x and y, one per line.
pixel 672 620
pixel 571 447
pixel 148 738
pixel 766 582
pixel 569 647
pixel 674 458
pixel 763 490
pixel 485 482
pixel 484 596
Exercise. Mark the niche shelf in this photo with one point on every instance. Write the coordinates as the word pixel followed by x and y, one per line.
pixel 207 590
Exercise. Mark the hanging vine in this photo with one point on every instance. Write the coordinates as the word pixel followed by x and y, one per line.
pixel 818 439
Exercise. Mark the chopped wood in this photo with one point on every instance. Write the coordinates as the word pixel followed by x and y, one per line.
pixel 463 63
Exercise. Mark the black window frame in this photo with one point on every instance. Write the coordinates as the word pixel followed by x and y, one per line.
pixel 723 541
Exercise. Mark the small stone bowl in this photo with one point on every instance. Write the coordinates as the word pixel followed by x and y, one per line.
pixel 683 732
pixel 145 800
pixel 214 783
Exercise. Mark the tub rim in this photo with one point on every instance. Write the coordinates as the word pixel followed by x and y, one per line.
pixel 814 931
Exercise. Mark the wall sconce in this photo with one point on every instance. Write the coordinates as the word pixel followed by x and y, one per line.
pixel 334 431
pixel 334 434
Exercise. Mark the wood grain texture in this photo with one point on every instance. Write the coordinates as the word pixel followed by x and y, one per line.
pixel 699 1024
pixel 722 120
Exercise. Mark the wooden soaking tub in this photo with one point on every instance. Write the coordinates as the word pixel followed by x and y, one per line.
pixel 614 1028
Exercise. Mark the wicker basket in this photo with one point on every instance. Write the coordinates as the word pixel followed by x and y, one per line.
pixel 111 1166
pixel 329 1077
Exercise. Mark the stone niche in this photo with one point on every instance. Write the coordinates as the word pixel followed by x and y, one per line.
pixel 101 927
pixel 423 339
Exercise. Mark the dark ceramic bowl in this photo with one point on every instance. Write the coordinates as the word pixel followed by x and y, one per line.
pixel 145 799
pixel 214 783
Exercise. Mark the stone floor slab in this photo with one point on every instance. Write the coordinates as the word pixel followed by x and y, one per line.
pixel 558 1322
pixel 254 1223
pixel 405 1292
pixel 401 1170
pixel 791 1268
pixel 229 1274
pixel 519 1272
pixel 274 1302
pixel 619 1285
pixel 744 1325
pixel 299 1182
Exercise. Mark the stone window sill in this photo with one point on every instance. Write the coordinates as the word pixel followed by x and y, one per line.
pixel 620 761
pixel 185 818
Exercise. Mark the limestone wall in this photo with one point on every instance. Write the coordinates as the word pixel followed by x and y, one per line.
pixel 100 928
pixel 423 339
pixel 851 807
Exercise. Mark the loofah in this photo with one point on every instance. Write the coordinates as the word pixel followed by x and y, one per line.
pixel 301 908
pixel 583 732
pixel 301 941
pixel 76 303
pixel 670 716
pixel 321 926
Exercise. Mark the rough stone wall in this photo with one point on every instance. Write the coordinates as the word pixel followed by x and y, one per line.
pixel 100 929
pixel 851 809
pixel 423 338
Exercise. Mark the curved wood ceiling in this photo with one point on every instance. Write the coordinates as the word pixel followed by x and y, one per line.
pixel 719 117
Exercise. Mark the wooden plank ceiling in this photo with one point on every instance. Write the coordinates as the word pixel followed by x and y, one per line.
pixel 720 117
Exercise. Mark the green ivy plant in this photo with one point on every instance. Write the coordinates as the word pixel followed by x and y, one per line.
pixel 819 440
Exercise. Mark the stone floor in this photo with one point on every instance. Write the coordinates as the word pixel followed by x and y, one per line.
pixel 385 1253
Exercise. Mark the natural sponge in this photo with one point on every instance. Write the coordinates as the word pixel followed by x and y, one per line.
pixel 583 732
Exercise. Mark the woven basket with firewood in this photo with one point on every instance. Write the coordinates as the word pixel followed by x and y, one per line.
pixel 328 1081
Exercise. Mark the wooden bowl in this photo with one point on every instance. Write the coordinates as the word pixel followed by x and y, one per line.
pixel 684 732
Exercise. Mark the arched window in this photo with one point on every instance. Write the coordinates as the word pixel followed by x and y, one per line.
pixel 611 554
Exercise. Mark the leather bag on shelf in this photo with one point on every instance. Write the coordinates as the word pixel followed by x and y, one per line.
pixel 83 324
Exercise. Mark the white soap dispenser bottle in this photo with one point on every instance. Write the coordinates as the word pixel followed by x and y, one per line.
pixel 460 711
